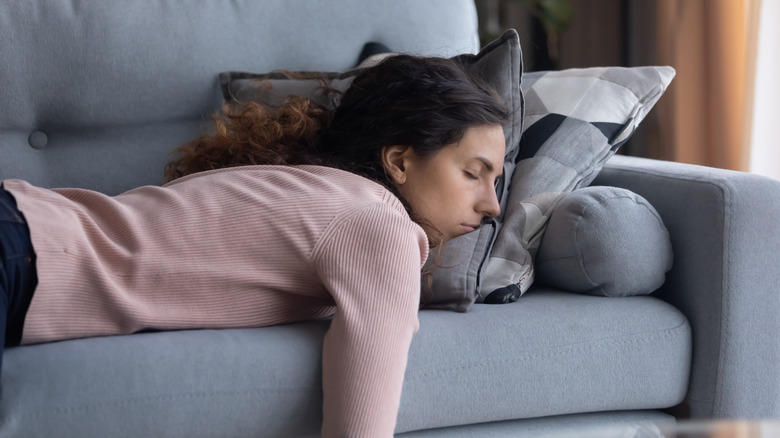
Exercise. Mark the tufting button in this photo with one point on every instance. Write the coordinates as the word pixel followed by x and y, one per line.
pixel 38 139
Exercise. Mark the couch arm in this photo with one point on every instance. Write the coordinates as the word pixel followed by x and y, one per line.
pixel 725 231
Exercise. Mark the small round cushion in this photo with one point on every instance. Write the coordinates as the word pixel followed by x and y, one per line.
pixel 604 241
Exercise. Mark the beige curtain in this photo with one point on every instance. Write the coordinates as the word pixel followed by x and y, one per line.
pixel 705 115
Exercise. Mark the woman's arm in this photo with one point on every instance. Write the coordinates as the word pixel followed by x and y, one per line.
pixel 371 266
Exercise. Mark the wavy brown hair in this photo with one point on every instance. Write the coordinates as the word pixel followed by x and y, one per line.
pixel 424 103
pixel 249 134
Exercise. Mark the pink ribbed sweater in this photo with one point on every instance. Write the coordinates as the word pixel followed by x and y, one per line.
pixel 240 247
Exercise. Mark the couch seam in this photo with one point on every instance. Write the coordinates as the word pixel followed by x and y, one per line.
pixel 572 348
pixel 581 257
pixel 723 188
pixel 147 399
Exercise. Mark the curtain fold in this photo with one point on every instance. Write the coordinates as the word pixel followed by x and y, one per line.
pixel 706 113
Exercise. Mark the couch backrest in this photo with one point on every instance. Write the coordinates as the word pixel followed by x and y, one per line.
pixel 95 93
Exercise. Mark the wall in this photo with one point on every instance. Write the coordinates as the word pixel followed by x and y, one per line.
pixel 765 146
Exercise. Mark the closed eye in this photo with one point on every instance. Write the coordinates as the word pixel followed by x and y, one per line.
pixel 471 175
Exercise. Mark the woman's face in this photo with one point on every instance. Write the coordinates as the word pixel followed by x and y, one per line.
pixel 452 190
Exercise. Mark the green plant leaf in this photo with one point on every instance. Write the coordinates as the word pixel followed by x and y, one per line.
pixel 556 15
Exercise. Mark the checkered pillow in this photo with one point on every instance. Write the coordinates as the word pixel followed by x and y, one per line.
pixel 574 122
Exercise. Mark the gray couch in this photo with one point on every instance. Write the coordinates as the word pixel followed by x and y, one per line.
pixel 95 93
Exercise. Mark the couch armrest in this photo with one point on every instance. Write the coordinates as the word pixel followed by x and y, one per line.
pixel 725 231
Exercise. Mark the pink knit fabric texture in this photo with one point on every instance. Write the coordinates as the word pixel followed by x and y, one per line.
pixel 240 247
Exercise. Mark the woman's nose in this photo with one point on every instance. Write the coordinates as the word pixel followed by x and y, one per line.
pixel 491 207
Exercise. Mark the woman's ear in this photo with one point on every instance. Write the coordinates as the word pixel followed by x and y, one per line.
pixel 395 160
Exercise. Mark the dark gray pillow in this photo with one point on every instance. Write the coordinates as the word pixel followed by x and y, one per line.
pixel 604 241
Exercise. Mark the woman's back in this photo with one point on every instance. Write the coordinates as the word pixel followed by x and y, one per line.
pixel 246 243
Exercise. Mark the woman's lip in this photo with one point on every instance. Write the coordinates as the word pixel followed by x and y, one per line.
pixel 469 228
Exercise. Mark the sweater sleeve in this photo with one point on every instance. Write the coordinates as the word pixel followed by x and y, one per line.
pixel 371 265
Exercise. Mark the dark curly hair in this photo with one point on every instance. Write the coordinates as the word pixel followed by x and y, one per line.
pixel 424 103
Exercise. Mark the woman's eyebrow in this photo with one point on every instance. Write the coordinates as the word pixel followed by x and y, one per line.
pixel 488 164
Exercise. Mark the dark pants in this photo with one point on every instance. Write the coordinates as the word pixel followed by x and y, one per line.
pixel 18 276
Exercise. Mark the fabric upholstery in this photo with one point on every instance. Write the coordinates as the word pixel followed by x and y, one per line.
pixel 111 88
pixel 574 121
pixel 551 353
pixel 722 225
pixel 604 241
pixel 638 424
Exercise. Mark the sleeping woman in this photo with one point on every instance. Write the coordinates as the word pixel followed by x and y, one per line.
pixel 274 218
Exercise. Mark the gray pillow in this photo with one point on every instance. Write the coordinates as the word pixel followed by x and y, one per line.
pixel 604 241
pixel 574 121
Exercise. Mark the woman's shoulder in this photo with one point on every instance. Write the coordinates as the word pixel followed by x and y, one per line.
pixel 354 184
pixel 369 197
pixel 264 171
pixel 381 223
pixel 319 183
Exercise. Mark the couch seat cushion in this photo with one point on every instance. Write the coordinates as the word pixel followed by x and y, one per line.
pixel 550 353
